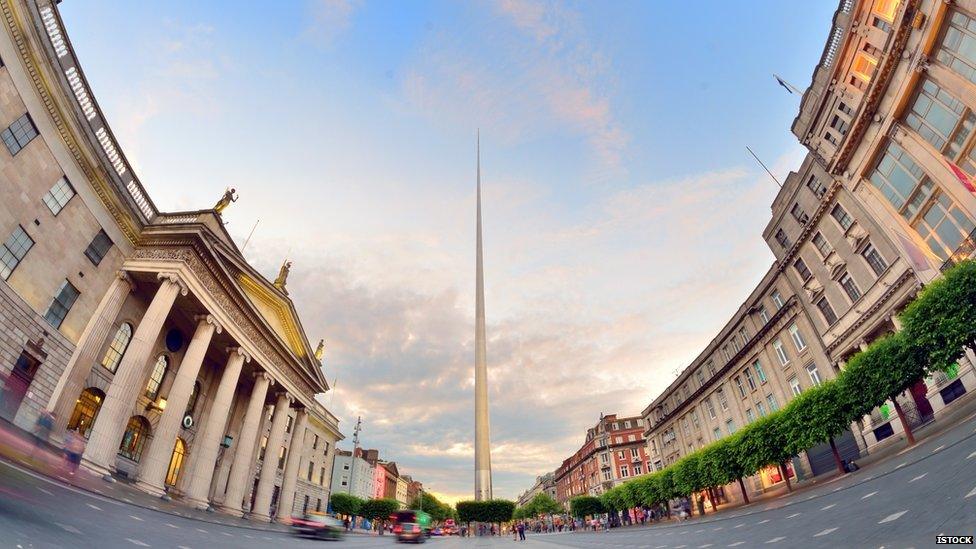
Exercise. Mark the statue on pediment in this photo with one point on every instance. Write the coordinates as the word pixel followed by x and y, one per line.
pixel 283 276
pixel 230 195
pixel 320 350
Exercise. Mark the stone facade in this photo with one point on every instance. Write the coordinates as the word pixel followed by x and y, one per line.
pixel 606 459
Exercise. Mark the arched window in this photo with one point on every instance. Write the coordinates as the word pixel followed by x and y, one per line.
pixel 86 410
pixel 156 378
pixel 192 403
pixel 176 462
pixel 113 355
pixel 134 439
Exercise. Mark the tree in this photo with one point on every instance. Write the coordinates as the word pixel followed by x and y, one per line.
pixel 582 506
pixel 941 321
pixel 763 442
pixel 345 504
pixel 429 504
pixel 816 416
pixel 543 504
pixel 379 510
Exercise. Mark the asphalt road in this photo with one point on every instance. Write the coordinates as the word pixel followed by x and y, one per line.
pixel 903 502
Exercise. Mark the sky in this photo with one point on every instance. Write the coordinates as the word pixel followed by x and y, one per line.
pixel 622 213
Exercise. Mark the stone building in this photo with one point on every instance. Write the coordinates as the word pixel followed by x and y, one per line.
pixel 353 475
pixel 544 484
pixel 147 332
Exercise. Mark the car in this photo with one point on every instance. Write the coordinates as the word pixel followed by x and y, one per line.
pixel 410 531
pixel 437 531
pixel 319 526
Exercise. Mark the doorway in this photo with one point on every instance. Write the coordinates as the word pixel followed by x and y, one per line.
pixel 16 384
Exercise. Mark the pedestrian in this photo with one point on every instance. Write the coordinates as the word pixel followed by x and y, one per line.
pixel 43 426
pixel 521 531
pixel 74 447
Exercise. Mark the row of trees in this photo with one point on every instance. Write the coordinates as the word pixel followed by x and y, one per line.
pixel 540 505
pixel 936 327
pixel 494 511
pixel 377 510
pixel 434 507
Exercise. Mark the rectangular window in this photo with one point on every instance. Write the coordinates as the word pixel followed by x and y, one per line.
pixel 19 134
pixel 735 344
pixel 842 217
pixel 315 442
pixel 763 315
pixel 958 50
pixel 777 300
pixel 863 66
pixel 722 402
pixel 830 138
pixel 943 225
pixel 13 251
pixel 710 407
pixel 886 9
pixel 711 369
pixel 638 469
pixel 634 453
pixel 63 300
pixel 288 425
pixel 781 237
pixel 726 353
pixel 799 215
pixel 311 469
pixel 738 385
pixel 761 409
pixel 694 418
pixel 822 245
pixel 795 386
pixel 749 416
pixel 850 287
pixel 814 374
pixel 624 471
pixel 797 337
pixel 59 196
pixel 604 458
pixel 784 359
pixel 281 457
pixel 607 475
pixel 839 124
pixel 717 433
pixel 730 426
pixel 701 378
pixel 750 379
pixel 874 259
pixel 827 311
pixel 802 269
pixel 935 115
pixel 99 246
pixel 326 446
pixel 815 186
pixel 771 400
pixel 845 108
pixel 760 373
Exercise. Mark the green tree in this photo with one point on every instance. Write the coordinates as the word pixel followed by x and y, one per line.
pixel 345 504
pixel 942 319
pixel 379 510
pixel 582 506
pixel 429 504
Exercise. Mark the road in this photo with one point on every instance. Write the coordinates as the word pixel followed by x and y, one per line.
pixel 903 502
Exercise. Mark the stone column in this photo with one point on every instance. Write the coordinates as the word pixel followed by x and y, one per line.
pixel 155 463
pixel 72 380
pixel 240 471
pixel 296 448
pixel 207 443
pixel 262 501
pixel 106 434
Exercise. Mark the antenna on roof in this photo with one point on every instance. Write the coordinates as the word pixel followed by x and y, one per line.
pixel 250 235
pixel 764 167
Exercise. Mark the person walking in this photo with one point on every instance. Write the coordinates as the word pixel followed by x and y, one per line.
pixel 521 531
pixel 74 447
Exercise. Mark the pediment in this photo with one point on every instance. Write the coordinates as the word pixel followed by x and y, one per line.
pixel 276 311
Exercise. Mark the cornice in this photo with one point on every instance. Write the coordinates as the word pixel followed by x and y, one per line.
pixel 808 227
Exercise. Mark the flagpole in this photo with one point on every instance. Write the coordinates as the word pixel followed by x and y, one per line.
pixel 764 167
pixel 789 87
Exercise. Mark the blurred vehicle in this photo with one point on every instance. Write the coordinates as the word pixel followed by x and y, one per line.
pixel 410 531
pixel 411 516
pixel 450 528
pixel 437 531
pixel 318 525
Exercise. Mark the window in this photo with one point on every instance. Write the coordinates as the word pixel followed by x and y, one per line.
pixel 822 245
pixel 176 462
pixel 897 176
pixel 750 417
pixel 845 108
pixel 311 469
pixel 744 336
pixel 850 287
pixel 874 259
pixel 264 447
pixel 86 410
pixel 830 138
pixel 799 215
pixel 684 426
pixel 802 269
pixel 13 251
pixel 315 442
pixel 730 426
pixel 750 379
pixel 134 438
pixel 710 407
pixel 863 66
pixel 326 446
pixel 814 373
pixel 281 457
pixel 886 9
pixel 19 134
pixel 880 23
pixel 738 385
pixel 694 419
pixel 59 195
pixel 711 369
pixel 634 453
pixel 701 377
pixel 763 315
pixel 957 51
pixel 936 116
pixel 631 438
pixel 156 377
pixel 777 300
pixel 624 471
pixel 99 246
pixel 192 403
pixel 761 409
pixel 289 424
pixel 815 186
pixel 116 349
pixel 795 385
pixel 726 353
pixel 784 359
pixel 322 476
pixel 797 337
pixel 839 124
pixel 781 237
pixel 760 373
pixel 842 217
pixel 722 402
pixel 65 298
pixel 638 469
pixel 826 310
pixel 943 225
pixel 604 458
pixel 607 475
pixel 771 400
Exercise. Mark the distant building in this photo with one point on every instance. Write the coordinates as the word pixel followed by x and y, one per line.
pixel 354 476
pixel 545 484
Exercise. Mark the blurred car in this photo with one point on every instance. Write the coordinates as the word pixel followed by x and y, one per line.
pixel 437 531
pixel 410 531
pixel 319 526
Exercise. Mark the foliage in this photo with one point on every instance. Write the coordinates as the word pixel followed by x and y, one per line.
pixel 492 510
pixel 379 509
pixel 582 506
pixel 346 504
pixel 942 319
pixel 429 504
pixel 541 504
pixel 815 416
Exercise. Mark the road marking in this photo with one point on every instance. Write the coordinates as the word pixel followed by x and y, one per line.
pixel 68 528
pixel 137 542
pixel 248 536
pixel 971 493
pixel 776 540
pixel 704 546
pixel 892 517
pixel 133 517
pixel 228 534
pixel 794 515
pixel 763 521
pixel 173 526
pixel 679 546
pixel 869 495
pixel 95 507
pixel 736 544
pixel 51 494
pixel 971 456
pixel 825 507
pixel 838 489
pixel 182 547
pixel 918 477
pixel 900 465
pixel 939 448
pixel 717 528
pixel 825 532
pixel 201 530
pixel 127 500
pixel 698 531
pixel 740 525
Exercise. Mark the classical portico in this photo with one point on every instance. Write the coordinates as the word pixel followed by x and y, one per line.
pixel 188 337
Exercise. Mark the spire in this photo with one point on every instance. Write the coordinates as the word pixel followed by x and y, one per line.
pixel 482 444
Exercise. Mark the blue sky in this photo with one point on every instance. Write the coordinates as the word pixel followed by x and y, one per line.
pixel 622 213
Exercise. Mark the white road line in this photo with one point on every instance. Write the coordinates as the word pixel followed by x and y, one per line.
pixel 866 496
pixel 68 528
pixel 825 532
pixel 918 477
pixel 892 517
pixel 51 494
pixel 182 547
pixel 776 540
pixel 680 546
pixel 175 527
pixel 794 515
pixel 740 525
pixel 717 528
pixel 971 493
pixel 736 544
pixel 939 448
pixel 137 542
pixel 825 507
pixel 201 530
pixel 971 456
pixel 900 465
pixel 133 517
pixel 248 536
pixel 763 521
pixel 95 507
pixel 228 534
pixel 838 489
pixel 704 546
pixel 698 531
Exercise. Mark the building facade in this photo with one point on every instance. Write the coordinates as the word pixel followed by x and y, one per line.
pixel 146 332
pixel 358 482
pixel 545 484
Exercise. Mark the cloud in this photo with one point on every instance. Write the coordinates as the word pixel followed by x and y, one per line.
pixel 328 19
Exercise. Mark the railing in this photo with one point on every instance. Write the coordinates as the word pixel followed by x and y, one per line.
pixel 964 251
pixel 176 219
